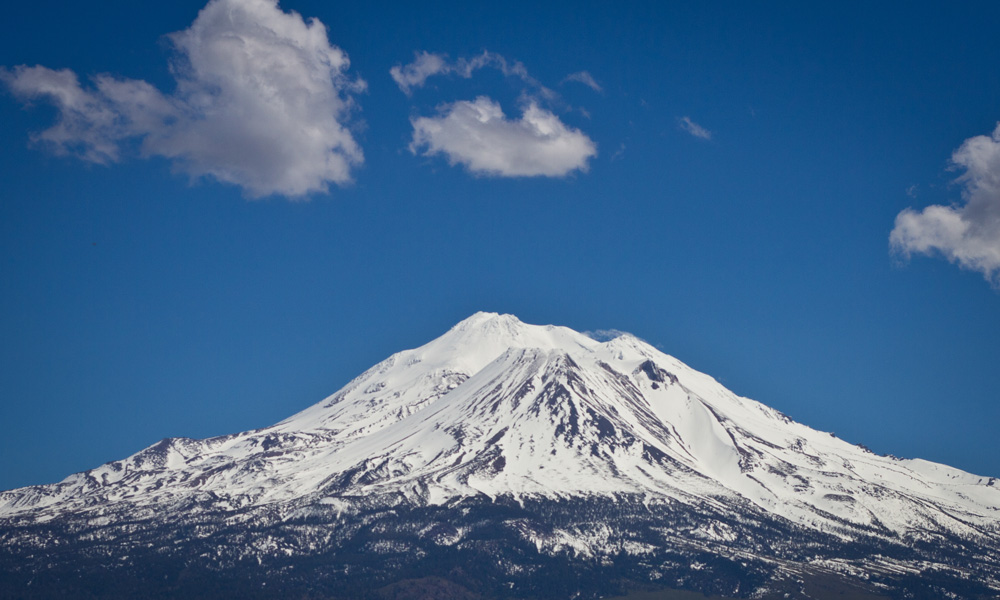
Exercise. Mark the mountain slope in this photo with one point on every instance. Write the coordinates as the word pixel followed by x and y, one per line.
pixel 500 413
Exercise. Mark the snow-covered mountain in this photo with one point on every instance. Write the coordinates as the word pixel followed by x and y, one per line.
pixel 609 453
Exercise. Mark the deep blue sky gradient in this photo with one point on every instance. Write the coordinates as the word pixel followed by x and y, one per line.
pixel 137 305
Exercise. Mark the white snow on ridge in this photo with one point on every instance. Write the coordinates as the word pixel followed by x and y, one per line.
pixel 497 407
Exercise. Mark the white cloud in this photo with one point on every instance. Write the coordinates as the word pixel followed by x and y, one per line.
pixel 414 75
pixel 88 124
pixel 426 65
pixel 478 135
pixel 968 233
pixel 262 101
pixel 606 335
pixel 693 128
pixel 586 79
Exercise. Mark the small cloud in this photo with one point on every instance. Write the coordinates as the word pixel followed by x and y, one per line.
pixel 605 335
pixel 414 75
pixel 693 128
pixel 912 191
pixel 262 101
pixel 586 79
pixel 426 65
pixel 478 135
pixel 620 152
pixel 967 233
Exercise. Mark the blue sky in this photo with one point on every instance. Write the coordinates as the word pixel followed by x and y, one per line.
pixel 210 222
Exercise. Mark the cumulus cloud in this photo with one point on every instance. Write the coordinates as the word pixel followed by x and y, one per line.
pixel 426 65
pixel 967 233
pixel 693 128
pixel 478 135
pixel 262 101
pixel 586 79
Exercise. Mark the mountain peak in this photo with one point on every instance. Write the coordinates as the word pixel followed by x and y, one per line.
pixel 488 321
pixel 498 411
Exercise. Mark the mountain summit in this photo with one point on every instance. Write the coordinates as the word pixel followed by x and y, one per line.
pixel 538 450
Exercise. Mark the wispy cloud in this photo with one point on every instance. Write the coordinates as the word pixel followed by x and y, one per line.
pixel 479 136
pixel 620 152
pixel 426 65
pixel 586 79
pixel 262 101
pixel 605 335
pixel 415 74
pixel 967 233
pixel 693 128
